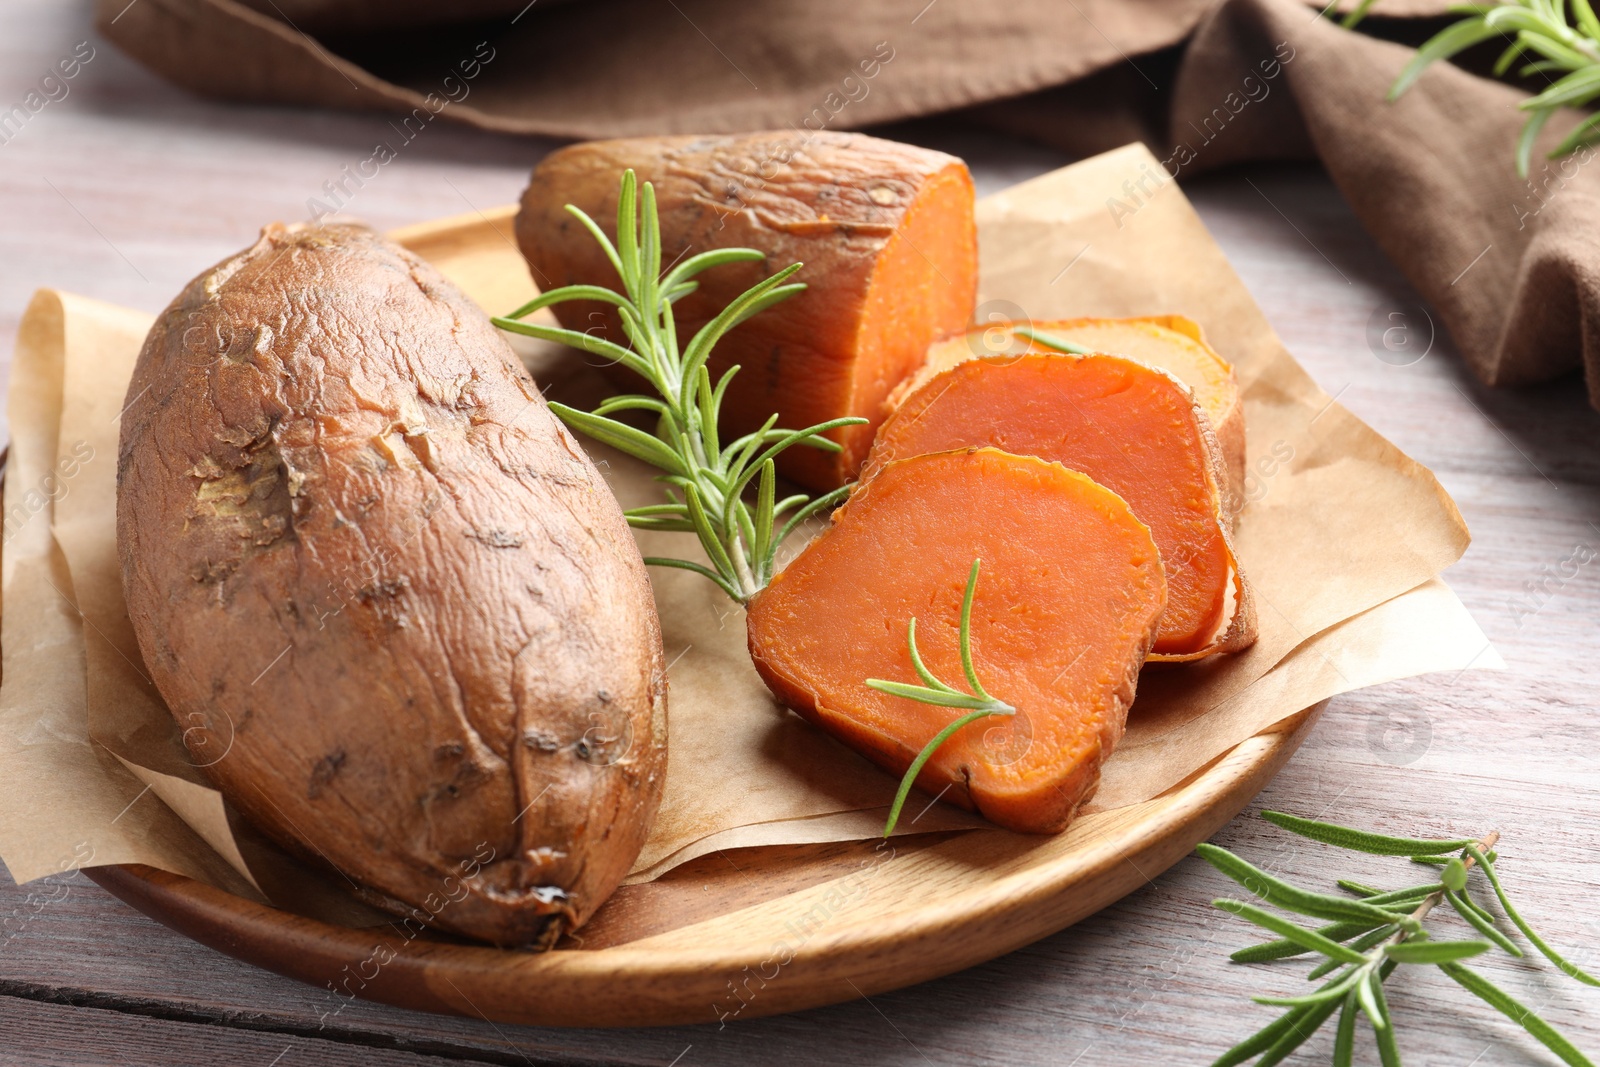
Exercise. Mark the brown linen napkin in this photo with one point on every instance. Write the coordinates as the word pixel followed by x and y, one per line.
pixel 1512 267
pixel 609 68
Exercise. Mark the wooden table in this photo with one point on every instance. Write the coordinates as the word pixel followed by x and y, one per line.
pixel 127 188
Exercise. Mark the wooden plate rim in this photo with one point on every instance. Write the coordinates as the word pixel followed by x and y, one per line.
pixel 632 986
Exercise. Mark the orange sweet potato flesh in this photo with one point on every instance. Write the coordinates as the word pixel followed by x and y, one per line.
pixel 1175 344
pixel 1134 429
pixel 1069 596
pixel 885 231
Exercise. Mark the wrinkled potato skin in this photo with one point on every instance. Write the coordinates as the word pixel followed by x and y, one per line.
pixel 364 560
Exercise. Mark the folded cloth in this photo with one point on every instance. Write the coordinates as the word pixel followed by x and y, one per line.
pixel 1512 266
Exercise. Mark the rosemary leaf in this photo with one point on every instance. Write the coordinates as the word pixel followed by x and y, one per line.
pixel 1344 1039
pixel 822 503
pixel 1333 992
pixel 1362 840
pixel 1372 895
pixel 1513 51
pixel 1292 931
pixel 1481 922
pixel 1440 861
pixel 1388 1048
pixel 966 634
pixel 789 502
pixel 1050 340
pixel 621 436
pixel 1584 133
pixel 1405 896
pixel 766 505
pixel 1377 1014
pixel 688 565
pixel 1356 14
pixel 1359 961
pixel 1277 950
pixel 702 261
pixel 754 299
pixel 1503 1002
pixel 1530 132
pixel 1435 951
pixel 707 533
pixel 1575 90
pixel 1539 28
pixel 1571 970
pixel 646 522
pixel 1586 18
pixel 740 543
pixel 1298 1031
pixel 921 668
pixel 1262 1039
pixel 737 456
pixel 926 695
pixel 910 777
pixel 938 693
pixel 1362 944
pixel 1473 905
pixel 631 403
pixel 1539 67
pixel 1288 897
pixel 566 292
pixel 595 346
pixel 1446 43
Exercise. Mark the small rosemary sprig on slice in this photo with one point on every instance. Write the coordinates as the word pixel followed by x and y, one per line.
pixel 1370 935
pixel 978 703
pixel 1050 340
pixel 1540 27
pixel 706 480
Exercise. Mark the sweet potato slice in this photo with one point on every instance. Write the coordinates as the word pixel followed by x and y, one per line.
pixel 1171 342
pixel 1134 429
pixel 1071 594
pixel 885 231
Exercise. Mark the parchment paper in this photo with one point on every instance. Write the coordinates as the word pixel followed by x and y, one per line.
pixel 1343 538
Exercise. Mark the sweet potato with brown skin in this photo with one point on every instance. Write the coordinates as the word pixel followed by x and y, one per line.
pixel 1175 344
pixel 1071 594
pixel 363 558
pixel 1131 427
pixel 885 230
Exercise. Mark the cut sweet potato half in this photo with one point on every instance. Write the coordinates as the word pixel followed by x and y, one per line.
pixel 885 230
pixel 1071 595
pixel 1133 428
pixel 1171 342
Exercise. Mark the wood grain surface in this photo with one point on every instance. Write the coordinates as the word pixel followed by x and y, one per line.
pixel 125 188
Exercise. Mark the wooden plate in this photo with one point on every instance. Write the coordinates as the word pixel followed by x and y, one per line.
pixel 738 934
pixel 751 932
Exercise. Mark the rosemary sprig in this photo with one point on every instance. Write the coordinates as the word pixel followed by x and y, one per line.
pixel 978 704
pixel 1370 939
pixel 1050 340
pixel 1539 30
pixel 706 480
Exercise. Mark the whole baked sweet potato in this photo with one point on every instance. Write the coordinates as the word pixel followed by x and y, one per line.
pixel 885 230
pixel 362 557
